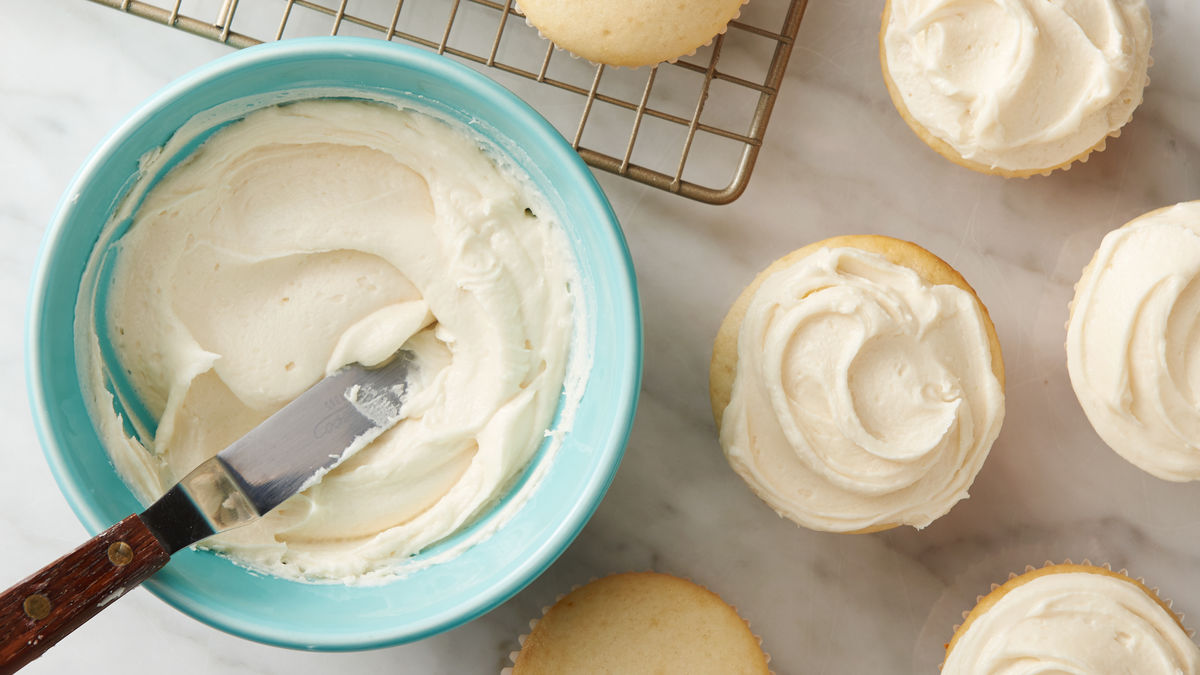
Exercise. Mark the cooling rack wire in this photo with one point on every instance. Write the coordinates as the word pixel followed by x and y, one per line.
pixel 693 127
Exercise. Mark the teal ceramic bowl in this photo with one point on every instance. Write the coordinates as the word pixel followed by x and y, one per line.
pixel 442 595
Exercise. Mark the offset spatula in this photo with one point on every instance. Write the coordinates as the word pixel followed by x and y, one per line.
pixel 277 459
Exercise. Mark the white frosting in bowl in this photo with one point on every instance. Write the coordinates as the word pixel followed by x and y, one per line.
pixel 863 395
pixel 1074 622
pixel 326 232
pixel 1018 84
pixel 1133 346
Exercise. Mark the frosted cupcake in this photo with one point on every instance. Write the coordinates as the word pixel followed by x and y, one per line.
pixel 640 623
pixel 858 385
pixel 1072 619
pixel 1015 87
pixel 1133 346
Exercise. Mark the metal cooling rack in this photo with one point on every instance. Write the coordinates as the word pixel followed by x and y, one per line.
pixel 693 127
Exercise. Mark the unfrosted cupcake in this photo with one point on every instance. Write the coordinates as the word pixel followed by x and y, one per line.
pixel 640 623
pixel 1071 619
pixel 1019 87
pixel 1133 341
pixel 630 32
pixel 858 385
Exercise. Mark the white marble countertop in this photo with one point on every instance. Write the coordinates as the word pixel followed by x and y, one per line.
pixel 838 160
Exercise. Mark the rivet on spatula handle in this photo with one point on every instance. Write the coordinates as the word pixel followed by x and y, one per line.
pixel 41 610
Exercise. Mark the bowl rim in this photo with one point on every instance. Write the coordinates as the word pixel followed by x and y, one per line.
pixel 628 381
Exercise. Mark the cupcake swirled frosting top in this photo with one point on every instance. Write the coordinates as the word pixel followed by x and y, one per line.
pixel 1074 622
pixel 1018 84
pixel 1132 348
pixel 864 396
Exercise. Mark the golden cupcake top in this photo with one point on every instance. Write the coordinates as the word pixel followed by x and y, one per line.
pixel 640 623
pixel 630 32
pixel 864 394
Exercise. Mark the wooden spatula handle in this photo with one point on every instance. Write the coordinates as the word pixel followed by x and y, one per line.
pixel 43 609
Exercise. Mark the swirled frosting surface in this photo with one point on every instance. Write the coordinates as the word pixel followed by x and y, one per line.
pixel 863 396
pixel 320 233
pixel 1133 342
pixel 1077 623
pixel 1019 84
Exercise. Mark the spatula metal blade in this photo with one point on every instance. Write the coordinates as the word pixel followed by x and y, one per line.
pixel 285 454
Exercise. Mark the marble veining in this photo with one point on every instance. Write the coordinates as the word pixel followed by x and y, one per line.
pixel 838 160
